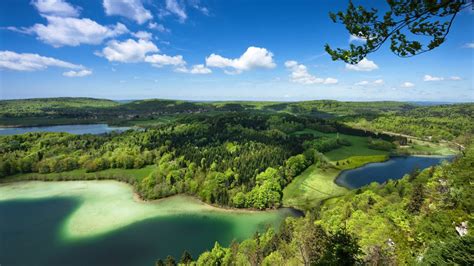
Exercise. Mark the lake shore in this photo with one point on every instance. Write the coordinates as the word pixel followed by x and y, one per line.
pixel 105 206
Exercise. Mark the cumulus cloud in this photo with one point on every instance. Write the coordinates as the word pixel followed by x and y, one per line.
pixel 299 74
pixel 363 65
pixel 144 35
pixel 75 74
pixel 128 51
pixel 354 38
pixel 407 84
pixel 61 31
pixel 376 82
pixel 34 62
pixel 254 57
pixel 196 69
pixel 432 78
pixel 58 8
pixel 176 8
pixel 455 78
pixel 131 9
pixel 160 60
pixel 158 27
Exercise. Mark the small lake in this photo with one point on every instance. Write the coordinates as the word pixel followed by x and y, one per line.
pixel 73 129
pixel 394 168
pixel 100 223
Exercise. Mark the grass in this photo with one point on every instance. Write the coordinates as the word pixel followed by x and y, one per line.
pixel 81 174
pixel 311 187
pixel 359 146
pixel 427 148
pixel 358 161
pixel 315 184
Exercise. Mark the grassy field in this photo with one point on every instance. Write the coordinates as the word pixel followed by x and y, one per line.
pixel 315 184
pixel 80 174
pixel 359 146
pixel 311 187
pixel 427 148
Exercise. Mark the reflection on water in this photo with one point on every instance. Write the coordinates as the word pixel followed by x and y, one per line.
pixel 73 129
pixel 395 168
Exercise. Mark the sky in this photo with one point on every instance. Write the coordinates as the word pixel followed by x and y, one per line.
pixel 269 50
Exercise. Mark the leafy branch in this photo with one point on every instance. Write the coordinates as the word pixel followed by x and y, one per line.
pixel 420 18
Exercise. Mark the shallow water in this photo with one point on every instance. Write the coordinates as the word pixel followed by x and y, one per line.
pixel 73 129
pixel 99 223
pixel 394 168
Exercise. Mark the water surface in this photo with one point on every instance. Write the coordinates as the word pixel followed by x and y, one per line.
pixel 73 129
pixel 100 223
pixel 394 168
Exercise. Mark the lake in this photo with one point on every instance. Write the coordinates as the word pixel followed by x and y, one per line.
pixel 394 168
pixel 101 223
pixel 73 129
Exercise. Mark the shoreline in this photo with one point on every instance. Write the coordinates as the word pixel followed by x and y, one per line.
pixel 138 199
pixel 388 159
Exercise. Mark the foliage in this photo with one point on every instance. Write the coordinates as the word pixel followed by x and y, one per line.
pixel 427 18
pixel 225 159
pixel 410 219
pixel 298 242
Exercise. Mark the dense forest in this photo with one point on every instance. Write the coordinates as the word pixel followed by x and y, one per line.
pixel 420 219
pixel 235 159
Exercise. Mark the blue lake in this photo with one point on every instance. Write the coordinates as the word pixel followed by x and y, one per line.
pixel 394 168
pixel 73 129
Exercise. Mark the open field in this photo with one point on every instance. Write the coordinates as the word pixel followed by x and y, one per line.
pixel 315 184
pixel 359 145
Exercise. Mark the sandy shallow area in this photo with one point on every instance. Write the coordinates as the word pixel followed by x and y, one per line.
pixel 105 206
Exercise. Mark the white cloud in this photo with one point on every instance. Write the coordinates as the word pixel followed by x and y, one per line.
pixel 363 65
pixel 362 83
pixel 34 62
pixel 254 57
pixel 80 73
pixel 73 31
pixel 353 38
pixel 407 84
pixel 158 27
pixel 377 82
pixel 196 69
pixel 299 74
pixel 174 7
pixel 144 35
pixel 128 51
pixel 432 78
pixel 469 45
pixel 131 9
pixel 160 60
pixel 58 8
pixel 197 5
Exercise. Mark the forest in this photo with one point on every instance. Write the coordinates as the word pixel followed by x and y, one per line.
pixel 241 160
pixel 248 155
pixel 415 220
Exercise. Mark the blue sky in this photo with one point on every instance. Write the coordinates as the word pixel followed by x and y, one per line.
pixel 213 50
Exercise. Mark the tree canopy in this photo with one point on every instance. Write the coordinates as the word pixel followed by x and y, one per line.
pixel 413 27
